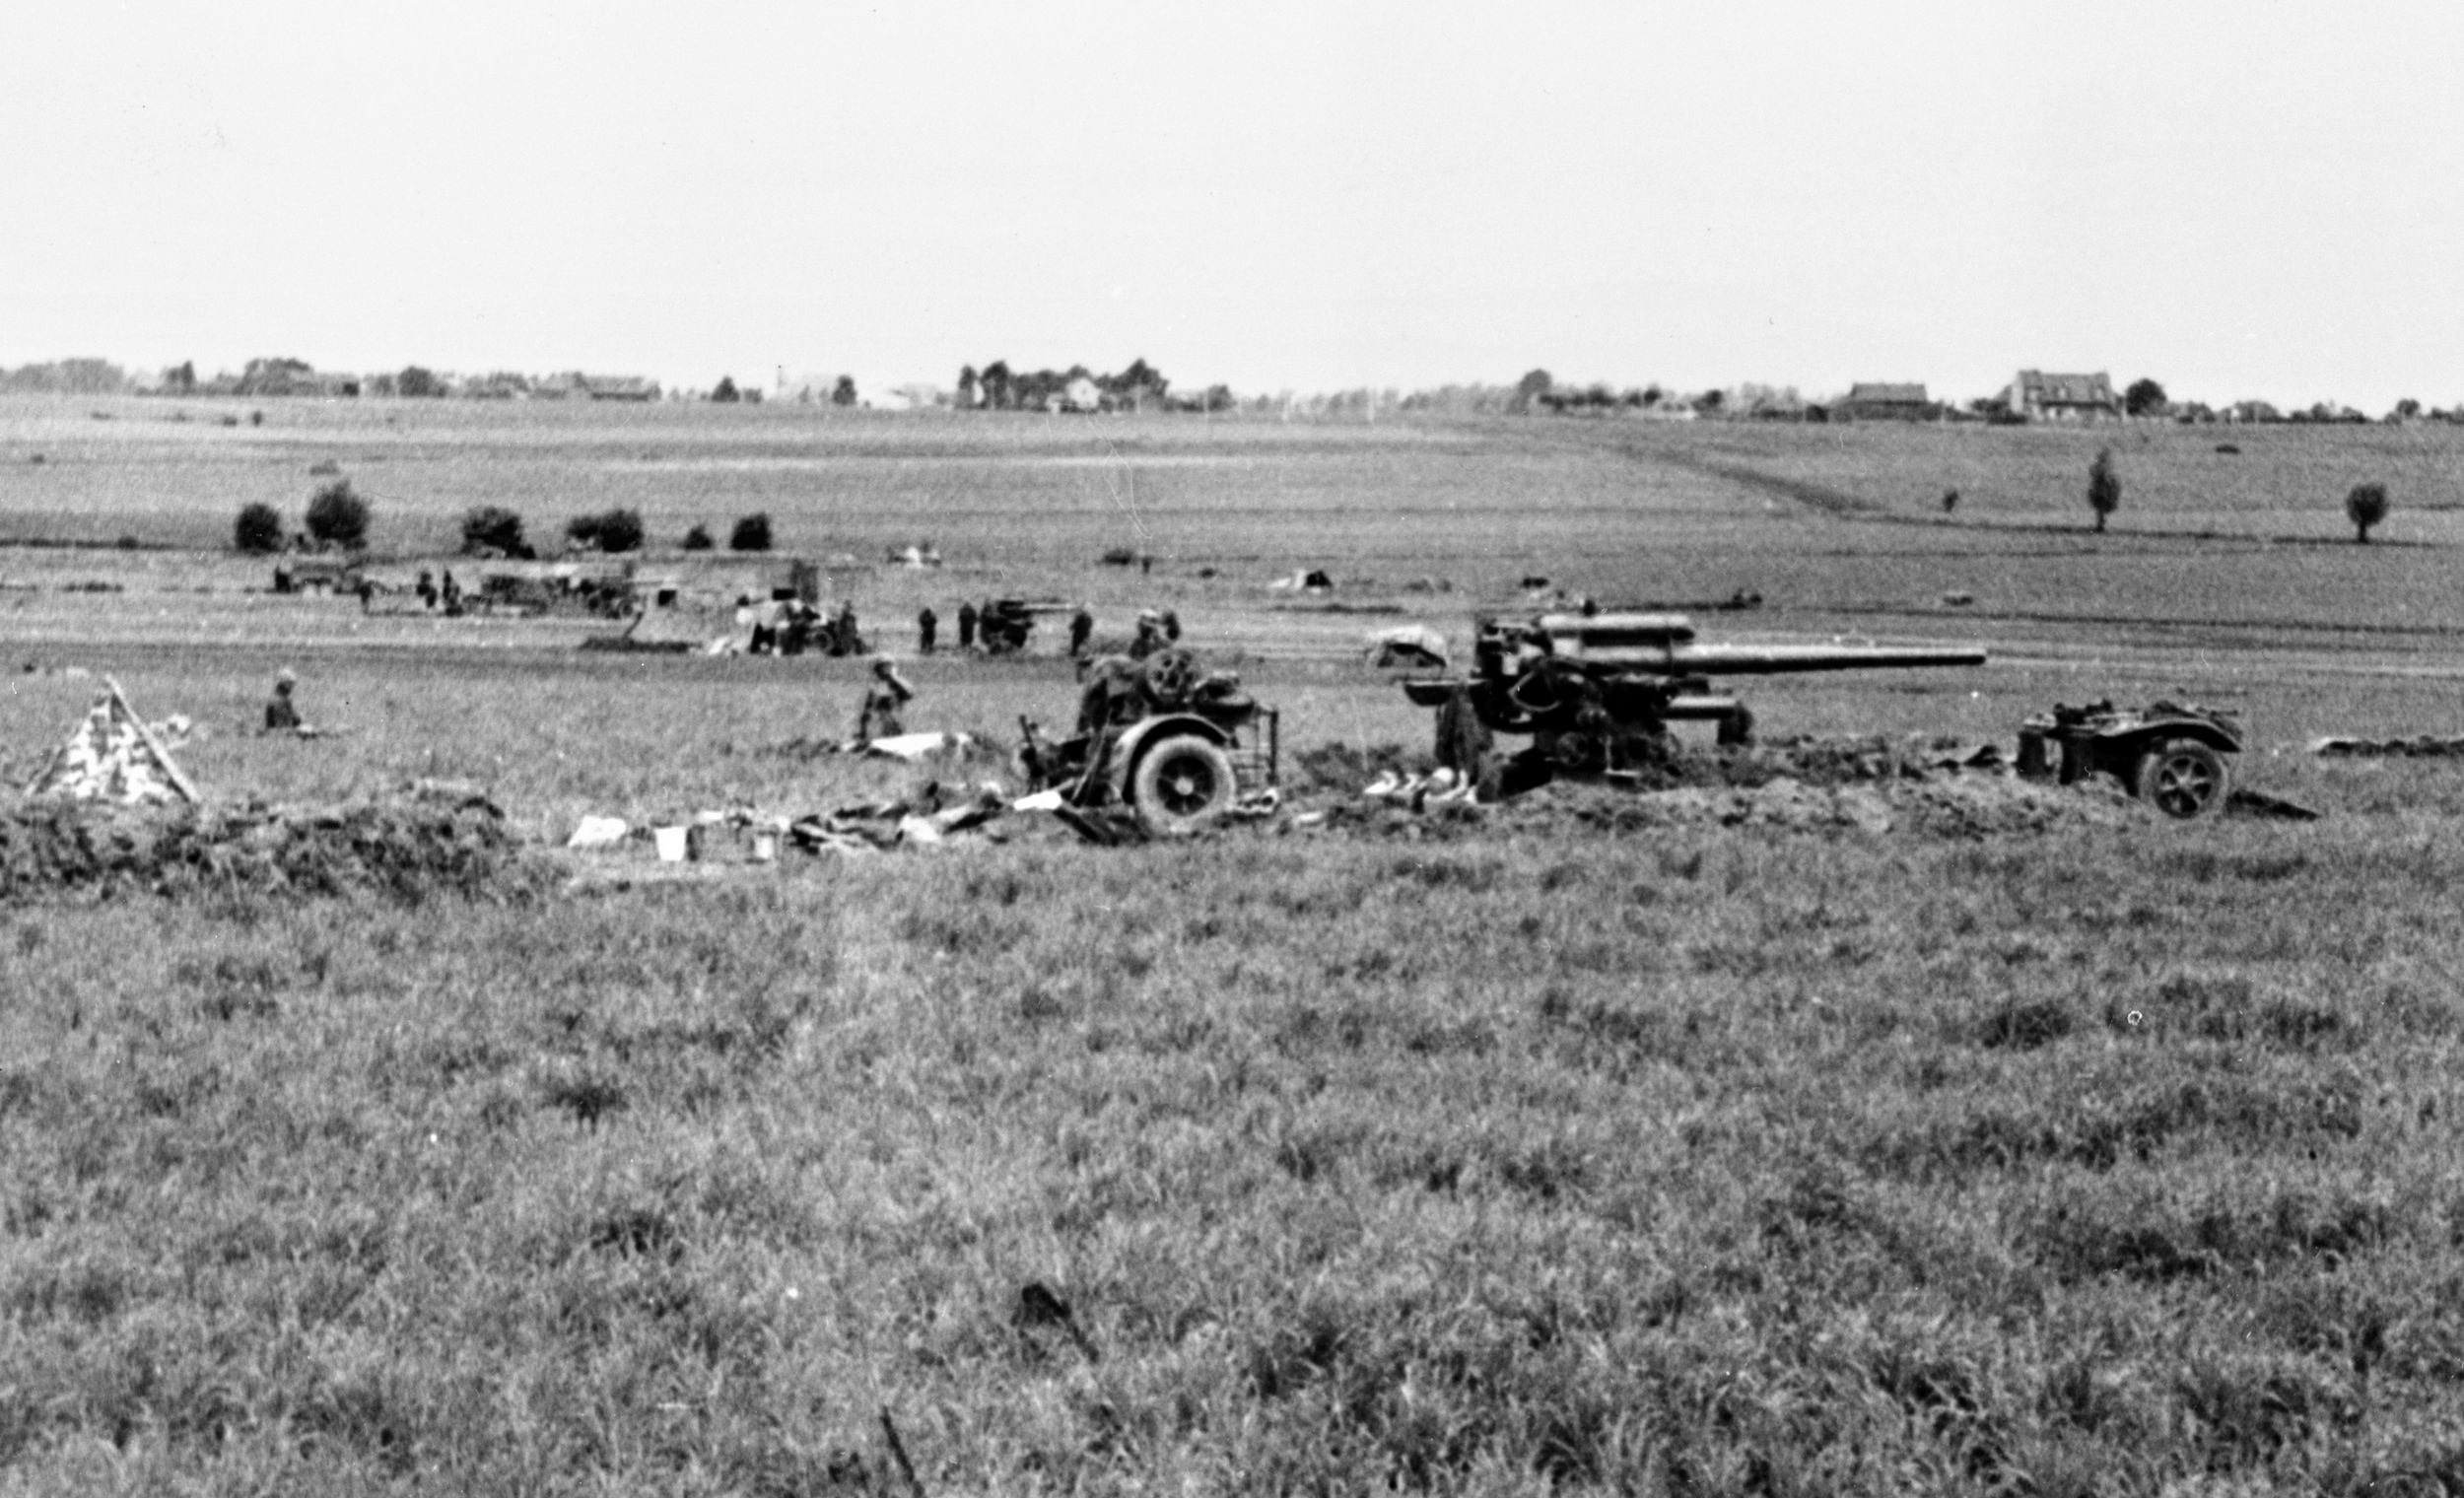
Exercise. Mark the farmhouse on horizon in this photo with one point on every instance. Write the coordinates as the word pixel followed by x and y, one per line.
pixel 2039 396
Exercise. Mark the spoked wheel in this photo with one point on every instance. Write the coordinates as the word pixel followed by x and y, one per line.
pixel 1181 786
pixel 2183 778
pixel 1171 676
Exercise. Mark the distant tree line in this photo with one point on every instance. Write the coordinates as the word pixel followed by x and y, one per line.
pixel 1138 387
pixel 66 377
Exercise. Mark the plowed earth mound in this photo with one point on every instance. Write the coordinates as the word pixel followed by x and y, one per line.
pixel 1942 805
pixel 400 851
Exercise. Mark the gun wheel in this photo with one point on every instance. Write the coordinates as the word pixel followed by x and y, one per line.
pixel 2183 778
pixel 1181 786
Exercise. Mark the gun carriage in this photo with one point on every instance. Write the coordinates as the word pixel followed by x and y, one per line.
pixel 1175 745
pixel 1596 692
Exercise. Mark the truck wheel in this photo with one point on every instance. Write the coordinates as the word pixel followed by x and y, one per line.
pixel 2182 779
pixel 1181 786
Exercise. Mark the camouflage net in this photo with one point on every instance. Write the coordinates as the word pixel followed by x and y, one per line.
pixel 399 850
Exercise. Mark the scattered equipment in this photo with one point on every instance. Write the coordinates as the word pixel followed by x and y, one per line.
pixel 2171 756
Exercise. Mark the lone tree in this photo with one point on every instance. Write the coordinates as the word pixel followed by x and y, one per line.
pixel 725 393
pixel 416 383
pixel 489 528
pixel 2104 485
pixel 752 533
pixel 2145 397
pixel 844 393
pixel 339 517
pixel 259 530
pixel 2365 507
pixel 697 539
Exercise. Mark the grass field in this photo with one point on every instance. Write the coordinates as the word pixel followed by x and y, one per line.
pixel 1534 1154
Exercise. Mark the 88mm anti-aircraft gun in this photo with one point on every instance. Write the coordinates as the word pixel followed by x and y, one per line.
pixel 1597 691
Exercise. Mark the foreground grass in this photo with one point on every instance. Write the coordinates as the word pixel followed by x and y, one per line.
pixel 1714 1163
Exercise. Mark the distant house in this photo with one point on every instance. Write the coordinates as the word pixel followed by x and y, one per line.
pixel 2039 396
pixel 1884 402
pixel 1080 394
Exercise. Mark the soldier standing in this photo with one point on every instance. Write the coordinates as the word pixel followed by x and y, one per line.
pixel 1172 626
pixel 849 641
pixel 966 625
pixel 1150 636
pixel 1081 625
pixel 927 623
pixel 427 588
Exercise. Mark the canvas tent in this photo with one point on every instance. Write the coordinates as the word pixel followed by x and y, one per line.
pixel 113 756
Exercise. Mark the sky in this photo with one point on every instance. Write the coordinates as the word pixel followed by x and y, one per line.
pixel 2238 200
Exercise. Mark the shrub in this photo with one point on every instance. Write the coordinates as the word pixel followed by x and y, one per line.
pixel 2104 485
pixel 489 528
pixel 259 529
pixel 752 533
pixel 2365 507
pixel 697 539
pixel 339 517
pixel 616 530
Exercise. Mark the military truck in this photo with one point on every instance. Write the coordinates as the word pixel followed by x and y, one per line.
pixel 1177 746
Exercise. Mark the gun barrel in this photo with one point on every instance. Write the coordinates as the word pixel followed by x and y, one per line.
pixel 1789 660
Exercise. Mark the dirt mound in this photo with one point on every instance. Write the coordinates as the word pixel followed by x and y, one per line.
pixel 403 851
pixel 1940 805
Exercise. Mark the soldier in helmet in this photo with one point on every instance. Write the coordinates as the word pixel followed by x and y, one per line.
pixel 282 714
pixel 1081 625
pixel 966 624
pixel 927 625
pixel 888 694
pixel 1150 636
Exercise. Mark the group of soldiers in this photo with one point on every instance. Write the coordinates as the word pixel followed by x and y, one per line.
pixel 1156 627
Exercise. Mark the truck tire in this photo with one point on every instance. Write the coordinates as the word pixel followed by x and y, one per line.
pixel 2183 778
pixel 1179 785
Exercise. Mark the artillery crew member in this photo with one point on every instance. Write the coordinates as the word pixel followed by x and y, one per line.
pixel 888 694
pixel 427 588
pixel 928 624
pixel 282 714
pixel 966 625
pixel 1172 626
pixel 1150 638
pixel 1081 625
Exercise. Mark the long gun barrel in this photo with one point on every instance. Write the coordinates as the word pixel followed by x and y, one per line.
pixel 1664 645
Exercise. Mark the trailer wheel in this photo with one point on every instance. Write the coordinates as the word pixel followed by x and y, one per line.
pixel 1181 786
pixel 1736 728
pixel 2182 777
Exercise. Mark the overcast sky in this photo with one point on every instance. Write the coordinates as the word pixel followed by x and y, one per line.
pixel 2238 200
